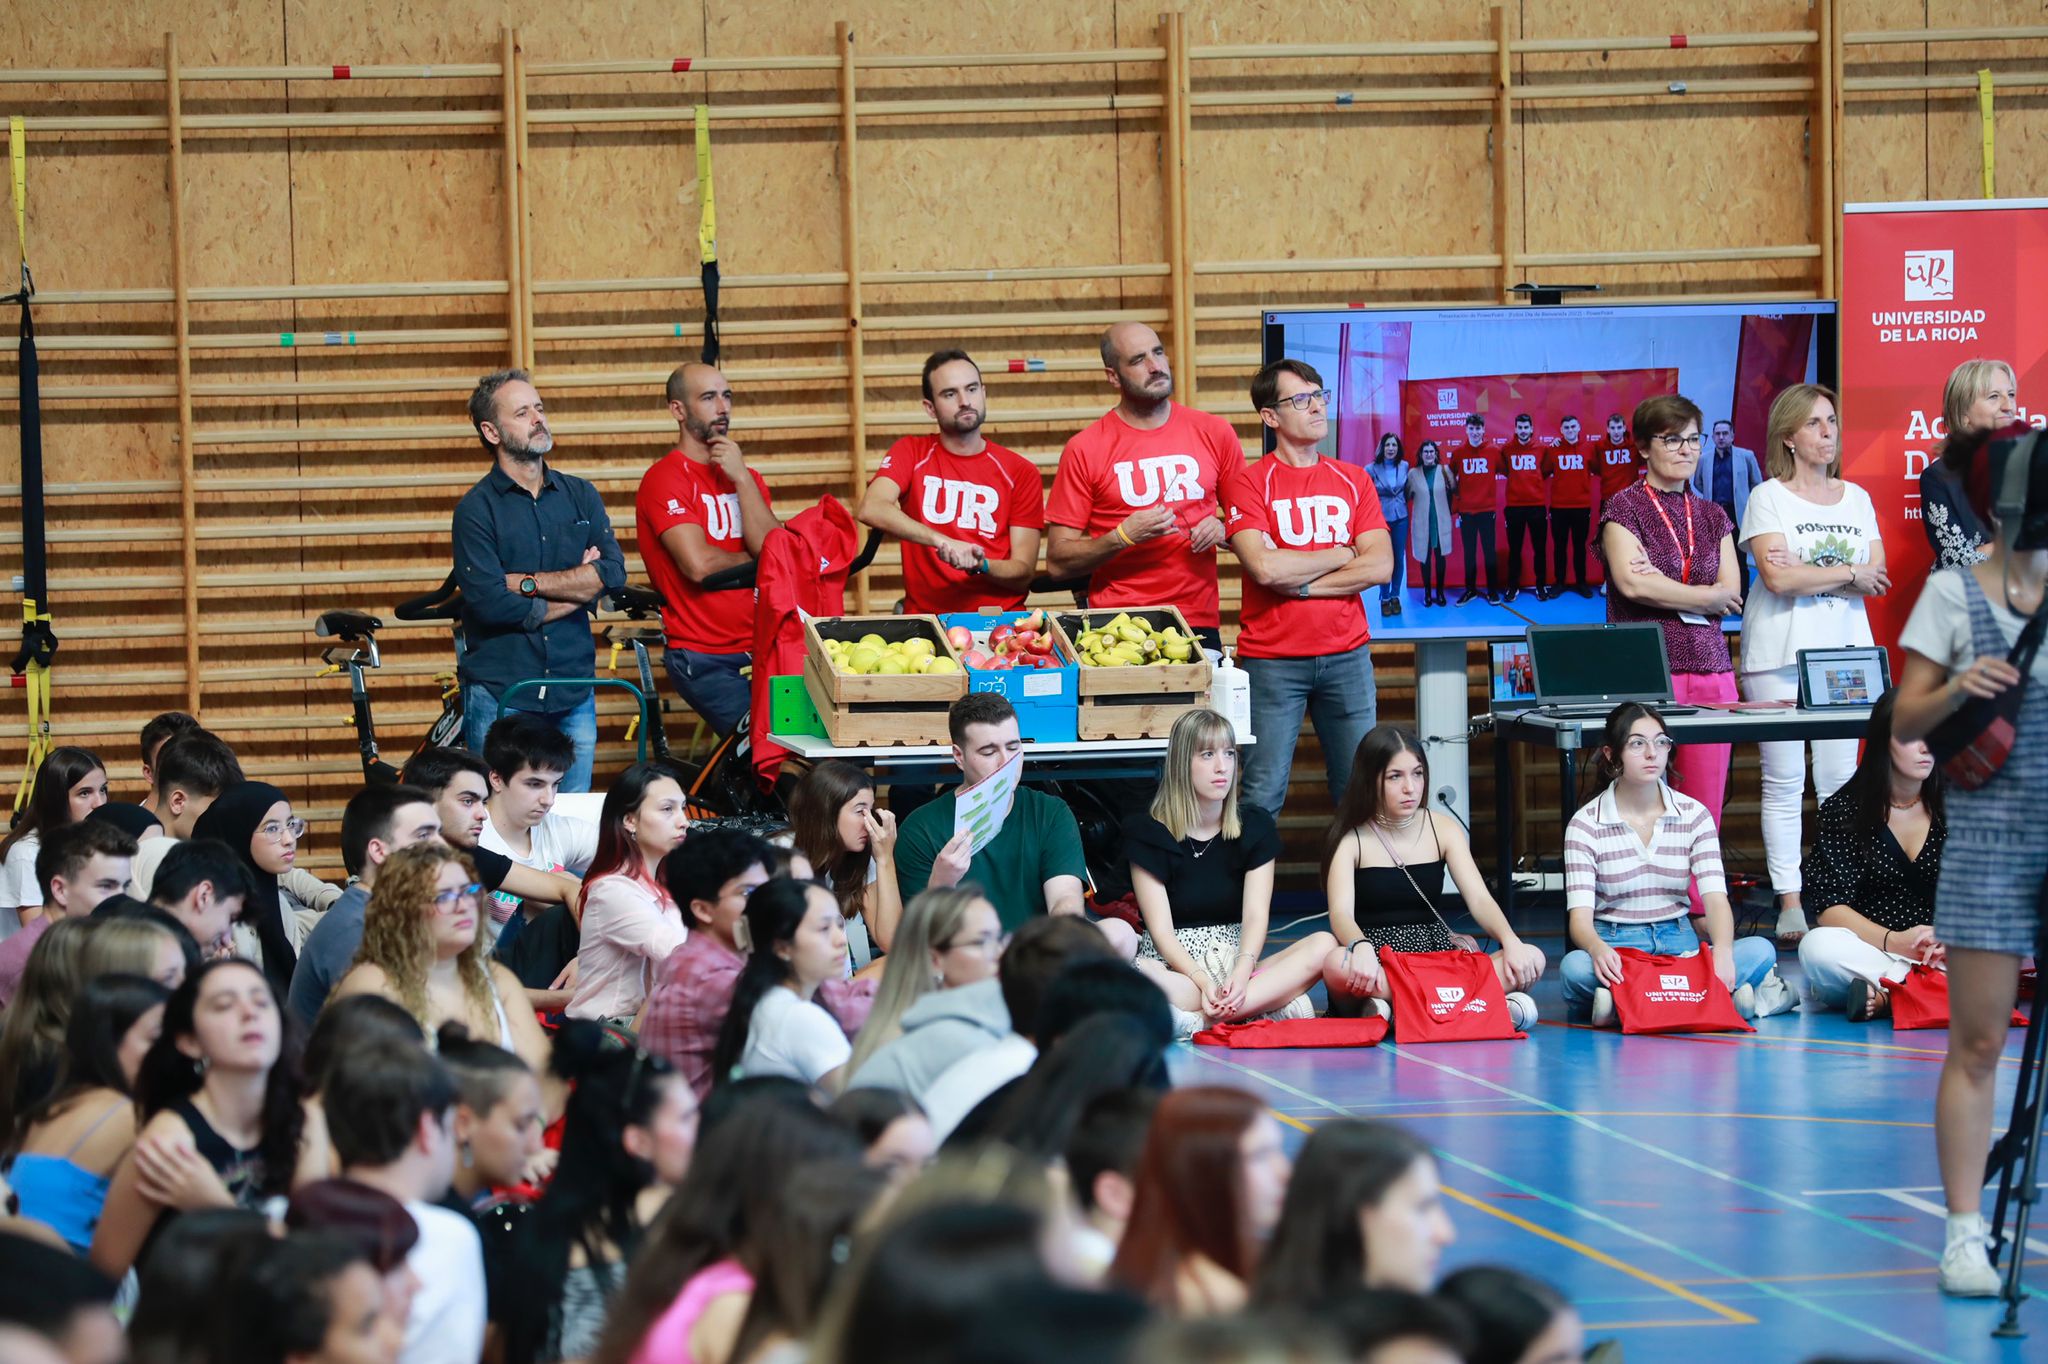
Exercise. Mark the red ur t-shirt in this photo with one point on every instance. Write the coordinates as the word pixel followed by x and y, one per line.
pixel 676 491
pixel 1325 505
pixel 1525 473
pixel 976 498
pixel 1112 469
pixel 1478 469
pixel 1569 467
pixel 1620 466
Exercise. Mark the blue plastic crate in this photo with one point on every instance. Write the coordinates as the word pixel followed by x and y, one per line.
pixel 1048 700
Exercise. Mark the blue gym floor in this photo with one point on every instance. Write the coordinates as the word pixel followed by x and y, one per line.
pixel 1761 1197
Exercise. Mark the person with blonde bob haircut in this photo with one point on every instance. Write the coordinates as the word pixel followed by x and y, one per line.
pixel 1981 395
pixel 1815 539
pixel 949 936
pixel 1202 864
pixel 422 949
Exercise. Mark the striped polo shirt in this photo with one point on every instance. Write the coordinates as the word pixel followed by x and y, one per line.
pixel 1608 870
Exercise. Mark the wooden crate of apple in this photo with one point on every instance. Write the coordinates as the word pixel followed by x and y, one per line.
pixel 1140 650
pixel 1030 642
pixel 882 659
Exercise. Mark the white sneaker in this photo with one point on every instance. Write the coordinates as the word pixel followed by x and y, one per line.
pixel 1745 1001
pixel 1603 1007
pixel 1380 1008
pixel 1521 1011
pixel 1301 1006
pixel 1774 996
pixel 1966 1270
pixel 1186 1024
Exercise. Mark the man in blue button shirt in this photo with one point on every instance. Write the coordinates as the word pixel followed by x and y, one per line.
pixel 533 552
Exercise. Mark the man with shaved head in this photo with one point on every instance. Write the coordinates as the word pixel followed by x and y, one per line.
pixel 533 552
pixel 1133 505
pixel 701 509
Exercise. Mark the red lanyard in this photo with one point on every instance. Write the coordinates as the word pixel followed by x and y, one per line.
pixel 1684 550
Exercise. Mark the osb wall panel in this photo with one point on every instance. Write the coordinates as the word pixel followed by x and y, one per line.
pixel 978 192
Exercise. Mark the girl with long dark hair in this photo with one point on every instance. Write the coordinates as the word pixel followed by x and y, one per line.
pixel 70 784
pixel 219 1099
pixel 1872 874
pixel 32 1029
pixel 69 1144
pixel 628 1133
pixel 796 941
pixel 851 846
pixel 1208 1193
pixel 630 922
pixel 1384 862
pixel 1363 1210
pixel 1630 856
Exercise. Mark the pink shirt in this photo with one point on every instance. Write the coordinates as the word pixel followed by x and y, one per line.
pixel 14 956
pixel 629 928
pixel 668 1340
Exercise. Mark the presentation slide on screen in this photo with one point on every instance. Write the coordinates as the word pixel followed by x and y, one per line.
pixel 1562 380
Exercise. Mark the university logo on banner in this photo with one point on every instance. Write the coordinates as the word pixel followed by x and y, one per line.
pixel 1930 276
pixel 1924 288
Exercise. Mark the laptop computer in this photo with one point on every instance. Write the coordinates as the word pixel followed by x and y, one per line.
pixel 1583 670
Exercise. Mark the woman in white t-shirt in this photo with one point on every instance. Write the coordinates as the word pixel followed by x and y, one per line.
pixel 795 940
pixel 70 784
pixel 1815 541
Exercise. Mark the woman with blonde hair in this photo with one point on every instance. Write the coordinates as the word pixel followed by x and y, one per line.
pixel 1814 537
pixel 133 947
pixel 423 950
pixel 1981 395
pixel 949 936
pixel 1202 868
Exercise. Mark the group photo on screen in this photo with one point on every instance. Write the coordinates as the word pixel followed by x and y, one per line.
pixel 1493 436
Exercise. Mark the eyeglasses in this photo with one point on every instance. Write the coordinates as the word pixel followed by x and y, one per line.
pixel 988 944
pixel 1659 744
pixel 1692 442
pixel 277 831
pixel 1300 401
pixel 449 899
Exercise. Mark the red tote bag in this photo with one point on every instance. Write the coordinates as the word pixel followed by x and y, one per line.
pixel 1921 1000
pixel 1446 997
pixel 1265 1033
pixel 1673 994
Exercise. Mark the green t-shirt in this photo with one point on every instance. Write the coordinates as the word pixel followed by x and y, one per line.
pixel 1039 841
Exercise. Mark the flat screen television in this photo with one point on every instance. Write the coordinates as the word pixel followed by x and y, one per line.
pixel 1535 376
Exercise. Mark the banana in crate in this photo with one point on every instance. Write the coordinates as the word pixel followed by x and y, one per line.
pixel 1127 642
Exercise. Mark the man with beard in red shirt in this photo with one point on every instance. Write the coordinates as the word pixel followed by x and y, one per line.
pixel 1528 516
pixel 969 512
pixel 1134 502
pixel 1568 468
pixel 1475 481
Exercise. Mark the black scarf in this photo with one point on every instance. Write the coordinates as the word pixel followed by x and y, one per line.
pixel 233 818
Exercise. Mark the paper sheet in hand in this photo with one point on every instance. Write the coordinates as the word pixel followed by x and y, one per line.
pixel 981 809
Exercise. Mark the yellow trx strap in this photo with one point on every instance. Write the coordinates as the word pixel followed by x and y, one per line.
pixel 17 154
pixel 707 205
pixel 35 680
pixel 1984 114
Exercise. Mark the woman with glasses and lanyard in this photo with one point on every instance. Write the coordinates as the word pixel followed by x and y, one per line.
pixel 1202 867
pixel 422 949
pixel 1390 480
pixel 1670 557
pixel 256 820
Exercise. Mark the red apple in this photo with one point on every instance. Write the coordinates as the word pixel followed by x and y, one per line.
pixel 960 637
pixel 1034 619
pixel 1040 644
pixel 976 658
pixel 1022 640
pixel 999 634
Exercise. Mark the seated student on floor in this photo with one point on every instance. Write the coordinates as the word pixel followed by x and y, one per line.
pixel 201 884
pixel 1872 871
pixel 1202 867
pixel 1628 858
pixel 852 846
pixel 157 732
pixel 191 772
pixel 542 950
pixel 948 938
pixel 796 942
pixel 630 923
pixel 70 784
pixel 1385 863
pixel 528 759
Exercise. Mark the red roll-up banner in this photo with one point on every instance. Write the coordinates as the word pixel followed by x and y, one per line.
pixel 1924 288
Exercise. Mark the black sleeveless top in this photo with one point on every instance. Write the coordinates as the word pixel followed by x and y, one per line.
pixel 1383 898
pixel 241 1171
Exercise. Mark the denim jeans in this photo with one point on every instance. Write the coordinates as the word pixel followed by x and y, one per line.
pixel 1337 692
pixel 1398 532
pixel 1754 957
pixel 480 710
pixel 711 685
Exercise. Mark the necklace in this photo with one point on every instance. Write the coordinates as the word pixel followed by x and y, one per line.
pixel 1207 844
pixel 1896 805
pixel 1399 826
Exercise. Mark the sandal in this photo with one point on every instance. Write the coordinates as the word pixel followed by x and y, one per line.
pixel 1865 1002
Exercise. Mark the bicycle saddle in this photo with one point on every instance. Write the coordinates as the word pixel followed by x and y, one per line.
pixel 637 602
pixel 348 625
pixel 443 603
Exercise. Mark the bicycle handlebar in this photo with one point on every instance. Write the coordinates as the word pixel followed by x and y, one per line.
pixel 742 575
pixel 443 603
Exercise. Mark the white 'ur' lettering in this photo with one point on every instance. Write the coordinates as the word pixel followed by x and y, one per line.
pixel 1165 478
pixel 965 506
pixel 1320 520
pixel 721 516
